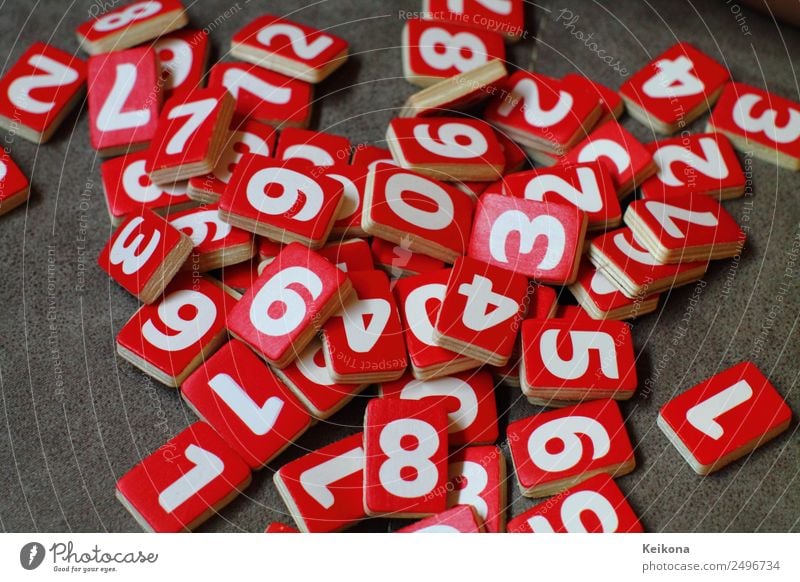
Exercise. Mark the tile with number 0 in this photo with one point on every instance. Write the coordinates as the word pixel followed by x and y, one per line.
pixel 556 450
pixel 633 270
pixel 478 479
pixel 239 396
pixel 290 48
pixel 674 89
pixel 506 17
pixel 436 50
pixel 39 90
pixel 760 122
pixel 601 299
pixel 431 217
pixel 541 240
pixel 405 446
pixel 182 55
pixel 168 340
pixel 468 398
pixel 686 228
pixel 597 505
pixel 458 519
pixel 144 254
pixel 130 25
pixel 283 201
pixel 291 300
pixel 263 95
pixel 697 164
pixel 446 148
pixel 576 360
pixel 724 418
pixel 14 185
pixel 482 308
pixel 185 482
pixel 124 97
pixel 419 298
pixel 324 489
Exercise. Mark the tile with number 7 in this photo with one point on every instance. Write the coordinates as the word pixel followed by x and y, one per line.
pixel 556 450
pixel 324 489
pixel 405 445
pixel 238 395
pixel 184 483
pixel 292 298
pixel 482 308
pixel 724 418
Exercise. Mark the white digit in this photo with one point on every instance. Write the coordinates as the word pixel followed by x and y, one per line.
pixel 175 56
pixel 528 91
pixel 360 337
pixel 477 480
pixel 767 122
pixel 666 213
pixel 197 112
pixel 307 365
pixel 704 416
pixel 462 417
pixel 416 313
pixel 132 178
pixel 448 144
pixel 606 148
pixel 390 472
pixel 529 230
pixel 351 198
pixel 431 220
pixel 235 79
pixel 3 170
pixel 189 331
pixel 712 165
pixel 480 297
pixel 502 7
pixel 673 79
pixel 196 226
pixel 439 528
pixel 572 509
pixel 566 430
pixel 55 75
pixel 300 45
pixel 630 251
pixel 130 14
pixel 128 253
pixel 317 480
pixel 207 467
pixel 277 290
pixel 587 198
pixel 294 184
pixel 455 45
pixel 259 419
pixel 582 342
pixel 250 142
pixel 304 151
pixel 601 285
pixel 113 114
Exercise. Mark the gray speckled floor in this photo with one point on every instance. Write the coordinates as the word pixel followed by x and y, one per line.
pixel 73 417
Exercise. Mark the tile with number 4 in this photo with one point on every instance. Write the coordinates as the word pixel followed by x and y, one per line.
pixel 405 446
pixel 436 50
pixel 478 479
pixel 556 450
pixel 39 91
pixel 576 360
pixel 292 298
pixel 468 398
pixel 724 418
pixel 760 122
pixel 240 397
pixel 482 308
pixel 541 240
pixel 597 505
pixel 290 48
pixel 144 254
pixel 686 228
pixel 14 185
pixel 364 341
pixel 324 490
pixel 168 340
pixel 458 519
pixel 184 483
